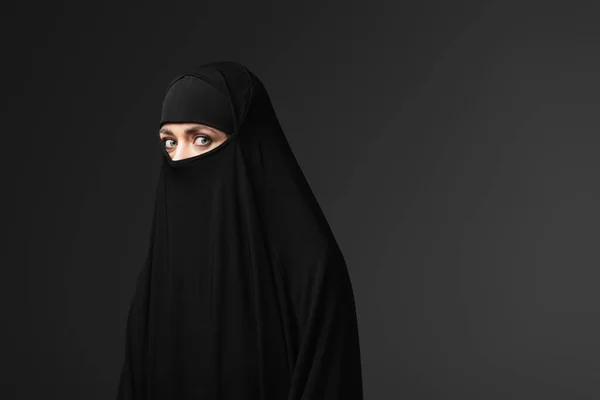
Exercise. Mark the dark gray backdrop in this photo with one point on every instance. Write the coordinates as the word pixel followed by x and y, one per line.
pixel 452 145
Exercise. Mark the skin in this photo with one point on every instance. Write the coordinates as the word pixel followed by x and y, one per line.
pixel 184 140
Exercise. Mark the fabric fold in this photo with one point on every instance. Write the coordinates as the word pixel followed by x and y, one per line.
pixel 245 293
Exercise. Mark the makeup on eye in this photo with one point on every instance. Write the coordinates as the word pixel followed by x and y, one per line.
pixel 204 137
pixel 205 141
pixel 183 140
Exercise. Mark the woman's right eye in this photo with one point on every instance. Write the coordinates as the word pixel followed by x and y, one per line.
pixel 166 143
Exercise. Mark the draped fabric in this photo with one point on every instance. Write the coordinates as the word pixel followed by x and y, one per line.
pixel 244 293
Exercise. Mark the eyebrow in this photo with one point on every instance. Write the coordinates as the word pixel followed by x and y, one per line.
pixel 188 131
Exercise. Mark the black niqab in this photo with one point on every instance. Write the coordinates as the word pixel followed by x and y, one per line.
pixel 186 93
pixel 244 293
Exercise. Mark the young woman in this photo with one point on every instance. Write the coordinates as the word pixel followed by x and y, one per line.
pixel 244 293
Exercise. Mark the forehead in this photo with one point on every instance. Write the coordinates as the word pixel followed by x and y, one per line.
pixel 184 127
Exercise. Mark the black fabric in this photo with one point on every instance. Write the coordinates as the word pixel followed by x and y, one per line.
pixel 244 293
pixel 191 99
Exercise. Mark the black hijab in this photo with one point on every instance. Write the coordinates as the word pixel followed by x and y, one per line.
pixel 244 293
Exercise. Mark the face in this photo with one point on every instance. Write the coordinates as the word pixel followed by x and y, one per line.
pixel 183 140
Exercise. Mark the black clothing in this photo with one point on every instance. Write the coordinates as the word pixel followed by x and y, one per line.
pixel 191 99
pixel 244 293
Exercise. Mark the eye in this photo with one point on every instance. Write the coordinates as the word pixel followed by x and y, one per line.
pixel 202 140
pixel 167 143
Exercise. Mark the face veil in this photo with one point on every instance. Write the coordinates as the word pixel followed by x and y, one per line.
pixel 244 292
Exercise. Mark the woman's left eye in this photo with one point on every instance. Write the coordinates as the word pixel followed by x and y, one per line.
pixel 206 141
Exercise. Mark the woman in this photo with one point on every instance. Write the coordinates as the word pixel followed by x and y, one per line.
pixel 244 293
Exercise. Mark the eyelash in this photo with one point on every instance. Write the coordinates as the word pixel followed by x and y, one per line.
pixel 163 140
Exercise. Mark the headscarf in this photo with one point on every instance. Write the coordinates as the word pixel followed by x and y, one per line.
pixel 244 293
pixel 186 93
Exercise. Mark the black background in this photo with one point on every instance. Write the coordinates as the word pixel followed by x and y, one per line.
pixel 452 145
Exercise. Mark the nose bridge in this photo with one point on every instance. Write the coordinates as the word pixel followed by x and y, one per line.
pixel 183 150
